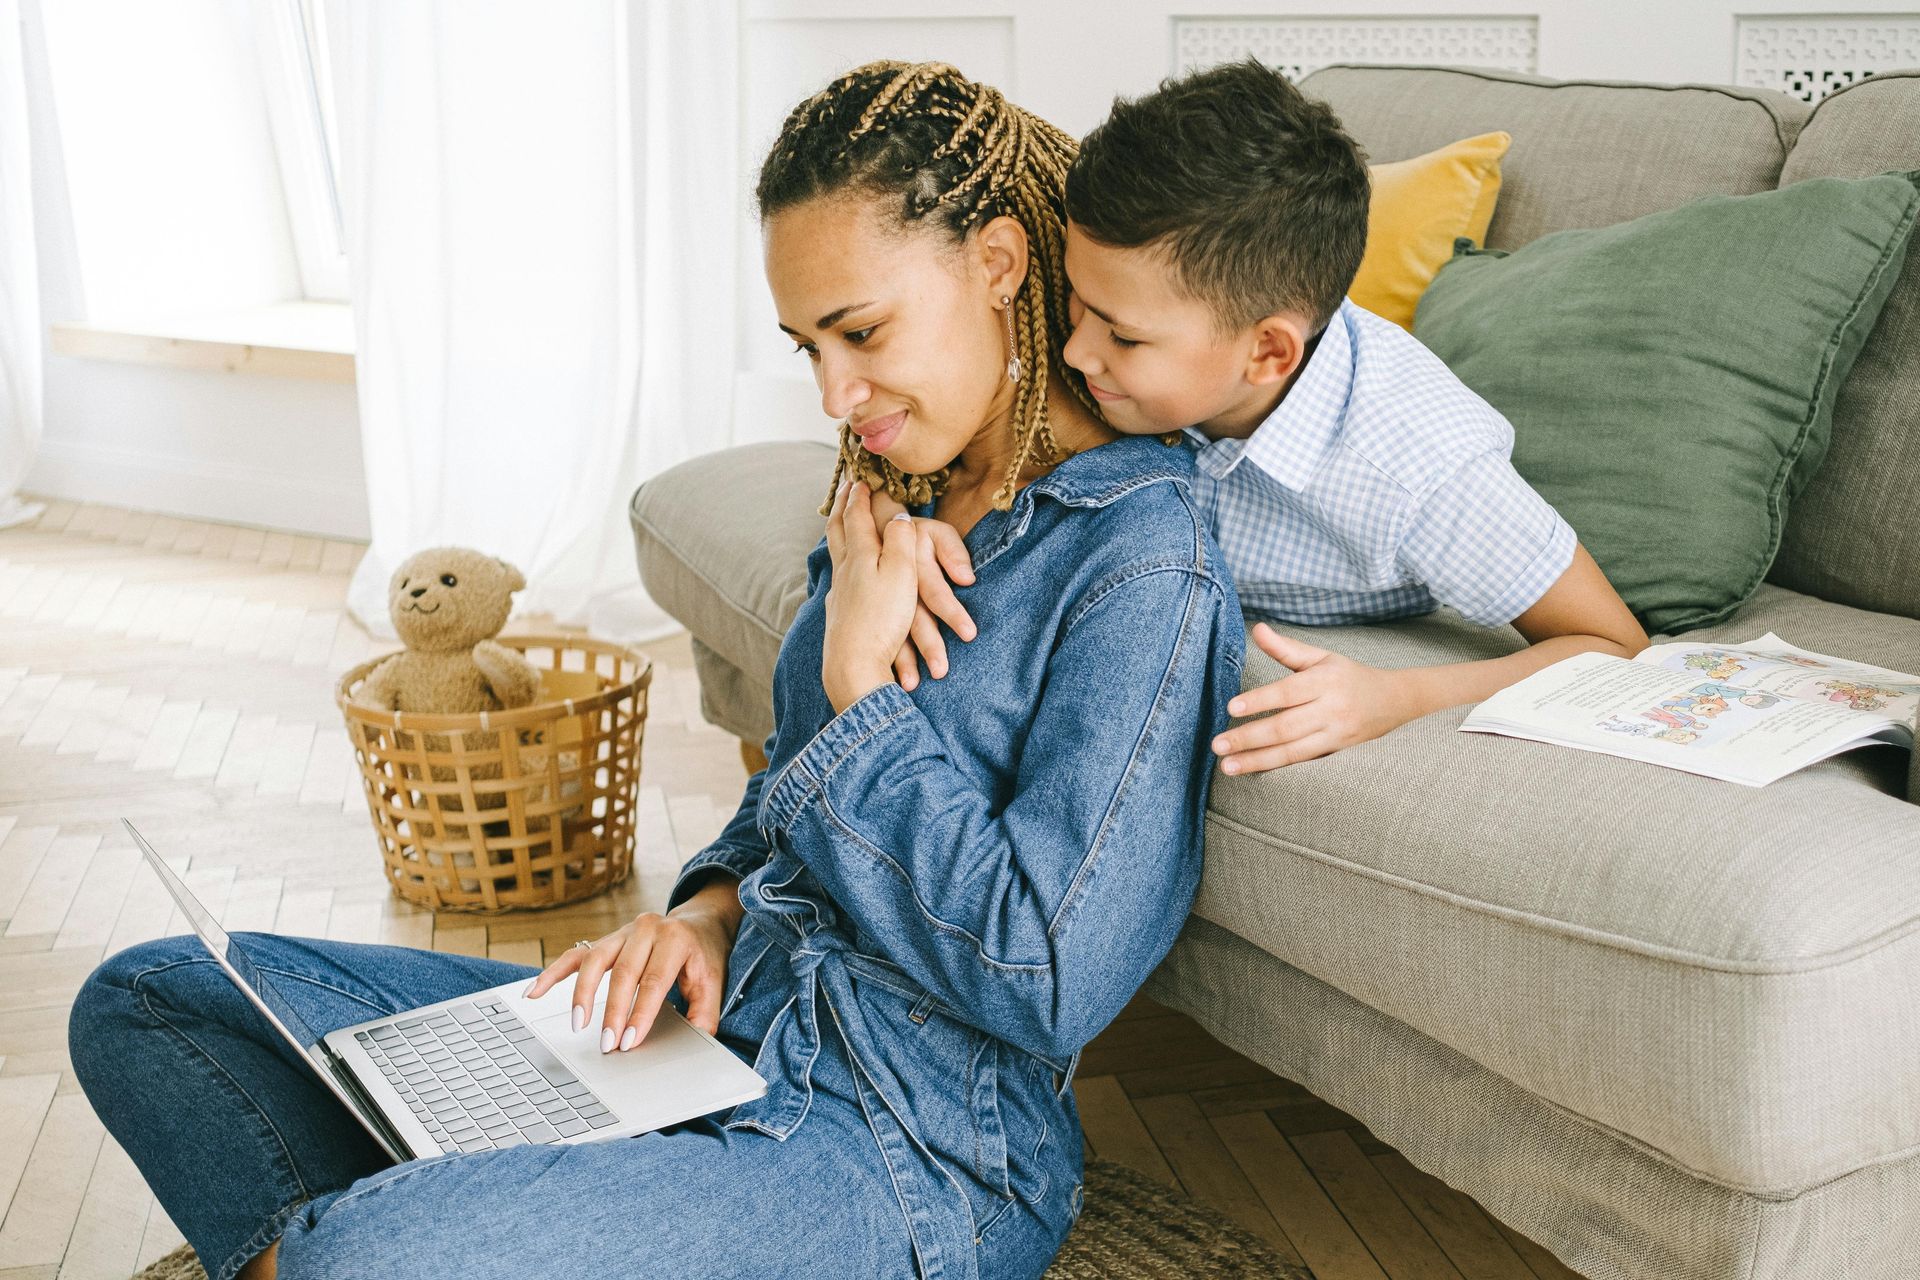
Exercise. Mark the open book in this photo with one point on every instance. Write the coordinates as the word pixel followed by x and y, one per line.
pixel 1746 713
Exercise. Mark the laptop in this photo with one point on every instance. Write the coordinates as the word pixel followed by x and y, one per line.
pixel 489 1069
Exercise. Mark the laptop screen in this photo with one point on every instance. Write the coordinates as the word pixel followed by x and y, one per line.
pixel 223 944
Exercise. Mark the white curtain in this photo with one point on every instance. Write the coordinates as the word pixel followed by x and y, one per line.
pixel 540 206
pixel 22 385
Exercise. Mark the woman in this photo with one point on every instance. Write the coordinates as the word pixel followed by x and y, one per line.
pixel 925 905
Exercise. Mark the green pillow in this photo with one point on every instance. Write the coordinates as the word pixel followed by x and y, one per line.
pixel 1671 380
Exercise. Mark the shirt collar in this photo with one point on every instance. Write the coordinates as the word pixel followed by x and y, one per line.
pixel 1095 477
pixel 1092 478
pixel 1289 444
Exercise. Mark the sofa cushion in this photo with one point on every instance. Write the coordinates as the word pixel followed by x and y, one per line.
pixel 1729 976
pixel 722 541
pixel 1586 153
pixel 1419 207
pixel 1853 536
pixel 1671 379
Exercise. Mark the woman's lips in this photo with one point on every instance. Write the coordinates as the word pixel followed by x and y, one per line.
pixel 878 435
pixel 1104 396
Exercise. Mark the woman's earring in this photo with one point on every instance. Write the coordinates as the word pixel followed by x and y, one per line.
pixel 1013 351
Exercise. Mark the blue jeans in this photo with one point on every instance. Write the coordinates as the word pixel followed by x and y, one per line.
pixel 242 1145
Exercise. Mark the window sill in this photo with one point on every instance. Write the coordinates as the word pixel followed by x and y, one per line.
pixel 286 339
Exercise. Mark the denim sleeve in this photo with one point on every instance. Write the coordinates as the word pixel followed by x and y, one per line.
pixel 1034 922
pixel 739 850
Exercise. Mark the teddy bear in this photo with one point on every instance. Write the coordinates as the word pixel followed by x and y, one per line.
pixel 447 603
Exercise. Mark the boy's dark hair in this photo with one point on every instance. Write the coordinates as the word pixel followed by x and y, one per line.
pixel 1253 190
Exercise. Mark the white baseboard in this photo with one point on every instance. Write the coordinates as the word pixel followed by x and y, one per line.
pixel 198 489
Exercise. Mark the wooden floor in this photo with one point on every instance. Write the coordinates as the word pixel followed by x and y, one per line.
pixel 181 674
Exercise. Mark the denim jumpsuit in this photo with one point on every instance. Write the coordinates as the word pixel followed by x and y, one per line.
pixel 947 893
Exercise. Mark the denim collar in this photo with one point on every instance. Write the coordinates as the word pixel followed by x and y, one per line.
pixel 1092 478
pixel 1102 474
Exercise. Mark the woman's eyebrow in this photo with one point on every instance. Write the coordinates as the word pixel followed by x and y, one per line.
pixel 832 318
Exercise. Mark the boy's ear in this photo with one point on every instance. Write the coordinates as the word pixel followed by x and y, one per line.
pixel 1002 248
pixel 1279 348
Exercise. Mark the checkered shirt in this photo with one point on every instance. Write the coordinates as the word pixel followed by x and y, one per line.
pixel 1380 487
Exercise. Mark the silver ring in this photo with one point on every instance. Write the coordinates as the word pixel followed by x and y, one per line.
pixel 584 943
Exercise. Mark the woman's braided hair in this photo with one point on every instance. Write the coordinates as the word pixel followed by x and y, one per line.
pixel 956 151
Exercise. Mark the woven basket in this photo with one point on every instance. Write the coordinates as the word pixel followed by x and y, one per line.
pixel 509 810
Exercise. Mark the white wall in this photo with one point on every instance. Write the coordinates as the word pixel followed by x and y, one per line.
pixel 287 453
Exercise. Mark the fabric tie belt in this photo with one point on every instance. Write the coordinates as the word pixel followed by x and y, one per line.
pixel 824 964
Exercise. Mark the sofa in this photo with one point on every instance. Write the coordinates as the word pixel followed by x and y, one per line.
pixel 1666 1026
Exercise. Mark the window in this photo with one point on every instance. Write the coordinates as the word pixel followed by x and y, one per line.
pixel 297 77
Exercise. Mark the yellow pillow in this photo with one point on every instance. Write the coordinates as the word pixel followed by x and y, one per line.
pixel 1419 207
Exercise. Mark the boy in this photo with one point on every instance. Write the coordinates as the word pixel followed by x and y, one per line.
pixel 1214 227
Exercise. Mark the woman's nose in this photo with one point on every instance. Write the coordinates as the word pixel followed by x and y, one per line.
pixel 841 391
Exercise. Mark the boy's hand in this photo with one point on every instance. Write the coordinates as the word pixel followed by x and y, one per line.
pixel 939 554
pixel 1329 702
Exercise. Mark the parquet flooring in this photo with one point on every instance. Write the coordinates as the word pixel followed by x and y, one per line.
pixel 180 674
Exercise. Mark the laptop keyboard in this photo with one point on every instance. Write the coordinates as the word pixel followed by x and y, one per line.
pixel 477 1077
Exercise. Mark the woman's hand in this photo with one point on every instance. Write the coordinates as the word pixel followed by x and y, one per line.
pixel 940 553
pixel 690 945
pixel 870 607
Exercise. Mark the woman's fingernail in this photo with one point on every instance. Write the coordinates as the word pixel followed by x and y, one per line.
pixel 628 1037
pixel 1235 707
pixel 1229 767
pixel 579 1017
pixel 606 1040
pixel 528 993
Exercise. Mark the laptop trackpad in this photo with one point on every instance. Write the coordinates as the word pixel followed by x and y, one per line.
pixel 668 1040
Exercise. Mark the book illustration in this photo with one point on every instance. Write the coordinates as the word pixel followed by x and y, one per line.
pixel 1718 664
pixel 1746 697
pixel 1866 697
pixel 1647 729
pixel 1686 718
pixel 1725 664
pixel 1778 672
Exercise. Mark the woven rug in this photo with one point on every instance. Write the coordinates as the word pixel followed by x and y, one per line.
pixel 1132 1228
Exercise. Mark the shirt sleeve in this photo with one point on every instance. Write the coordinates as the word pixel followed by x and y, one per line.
pixel 1485 543
pixel 1033 916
